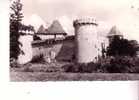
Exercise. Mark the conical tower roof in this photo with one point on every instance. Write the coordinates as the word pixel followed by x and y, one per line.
pixel 114 31
pixel 41 29
pixel 56 27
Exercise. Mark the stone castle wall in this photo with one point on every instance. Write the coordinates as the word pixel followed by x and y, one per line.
pixel 26 48
pixel 63 49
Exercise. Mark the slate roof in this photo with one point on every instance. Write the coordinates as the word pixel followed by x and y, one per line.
pixel 114 31
pixel 41 29
pixel 55 27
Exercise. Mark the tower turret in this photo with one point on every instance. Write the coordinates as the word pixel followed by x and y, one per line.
pixel 86 38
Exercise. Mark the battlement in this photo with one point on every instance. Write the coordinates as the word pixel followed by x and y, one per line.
pixel 84 21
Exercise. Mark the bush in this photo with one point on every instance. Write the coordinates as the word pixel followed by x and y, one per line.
pixel 28 69
pixel 136 62
pixel 119 64
pixel 82 68
pixel 38 59
pixel 52 69
pixel 87 68
pixel 13 63
pixel 40 68
pixel 70 68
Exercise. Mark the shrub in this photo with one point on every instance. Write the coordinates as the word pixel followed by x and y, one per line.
pixel 136 62
pixel 82 68
pixel 40 68
pixel 13 63
pixel 52 69
pixel 119 65
pixel 70 68
pixel 38 59
pixel 87 68
pixel 28 69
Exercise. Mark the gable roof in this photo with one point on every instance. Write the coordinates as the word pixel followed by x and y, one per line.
pixel 114 31
pixel 55 27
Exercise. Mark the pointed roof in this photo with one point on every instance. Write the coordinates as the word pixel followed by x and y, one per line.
pixel 114 31
pixel 55 27
pixel 41 29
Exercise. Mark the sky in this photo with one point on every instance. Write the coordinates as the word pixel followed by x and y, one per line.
pixel 122 13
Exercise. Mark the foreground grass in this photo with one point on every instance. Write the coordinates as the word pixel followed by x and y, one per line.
pixel 51 72
pixel 16 75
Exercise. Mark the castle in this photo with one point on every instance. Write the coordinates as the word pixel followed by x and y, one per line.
pixel 54 43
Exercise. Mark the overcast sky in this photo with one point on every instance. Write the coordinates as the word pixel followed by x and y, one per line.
pixel 123 13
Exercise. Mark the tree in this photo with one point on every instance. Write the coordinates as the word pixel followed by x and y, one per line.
pixel 135 47
pixel 26 28
pixel 15 25
pixel 122 47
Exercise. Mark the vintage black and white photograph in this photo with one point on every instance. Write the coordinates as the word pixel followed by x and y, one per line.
pixel 74 40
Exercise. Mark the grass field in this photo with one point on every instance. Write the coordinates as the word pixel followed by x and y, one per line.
pixel 17 75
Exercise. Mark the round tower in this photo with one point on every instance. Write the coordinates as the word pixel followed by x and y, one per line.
pixel 86 40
